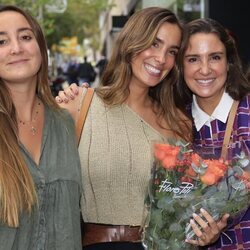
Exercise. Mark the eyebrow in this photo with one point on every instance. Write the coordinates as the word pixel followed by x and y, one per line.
pixel 162 42
pixel 211 54
pixel 19 30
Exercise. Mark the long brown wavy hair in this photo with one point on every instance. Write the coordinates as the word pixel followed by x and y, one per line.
pixel 17 190
pixel 138 34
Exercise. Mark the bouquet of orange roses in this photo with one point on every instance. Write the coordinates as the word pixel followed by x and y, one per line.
pixel 182 183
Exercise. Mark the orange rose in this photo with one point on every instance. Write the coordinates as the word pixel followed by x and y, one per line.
pixel 169 163
pixel 167 154
pixel 159 154
pixel 208 178
pixel 216 169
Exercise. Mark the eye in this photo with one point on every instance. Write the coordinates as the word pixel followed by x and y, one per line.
pixel 192 59
pixel 215 57
pixel 155 44
pixel 26 37
pixel 173 52
pixel 3 41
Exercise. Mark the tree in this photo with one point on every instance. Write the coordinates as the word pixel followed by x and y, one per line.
pixel 79 19
pixel 36 8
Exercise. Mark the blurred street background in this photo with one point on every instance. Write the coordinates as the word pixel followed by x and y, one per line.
pixel 80 33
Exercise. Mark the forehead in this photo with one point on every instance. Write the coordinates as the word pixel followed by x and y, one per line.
pixel 12 20
pixel 204 43
pixel 170 33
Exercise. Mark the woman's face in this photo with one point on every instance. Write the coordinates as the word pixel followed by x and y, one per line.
pixel 205 67
pixel 154 63
pixel 20 56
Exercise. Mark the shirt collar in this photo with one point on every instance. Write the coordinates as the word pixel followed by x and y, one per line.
pixel 220 113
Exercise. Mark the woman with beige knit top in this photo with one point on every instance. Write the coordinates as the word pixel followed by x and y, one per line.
pixel 133 107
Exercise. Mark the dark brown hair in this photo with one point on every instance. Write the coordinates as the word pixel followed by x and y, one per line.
pixel 236 84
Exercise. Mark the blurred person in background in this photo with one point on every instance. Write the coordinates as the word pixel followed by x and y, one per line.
pixel 72 72
pixel 101 65
pixel 86 72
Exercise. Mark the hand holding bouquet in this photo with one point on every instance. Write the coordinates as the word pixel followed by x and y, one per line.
pixel 182 183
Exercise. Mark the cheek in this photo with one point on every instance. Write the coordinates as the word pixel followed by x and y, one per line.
pixel 170 62
pixel 134 66
pixel 38 57
pixel 187 72
pixel 3 55
pixel 146 53
pixel 224 71
pixel 188 75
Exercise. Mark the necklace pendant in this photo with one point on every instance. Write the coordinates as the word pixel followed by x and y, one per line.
pixel 33 130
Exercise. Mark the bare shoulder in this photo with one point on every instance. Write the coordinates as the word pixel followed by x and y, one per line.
pixel 73 106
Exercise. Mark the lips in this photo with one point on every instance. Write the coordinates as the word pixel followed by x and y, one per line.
pixel 18 61
pixel 205 81
pixel 152 70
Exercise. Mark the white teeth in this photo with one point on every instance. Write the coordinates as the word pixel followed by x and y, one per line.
pixel 152 69
pixel 205 81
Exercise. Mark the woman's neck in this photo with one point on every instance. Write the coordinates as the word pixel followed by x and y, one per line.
pixel 138 98
pixel 24 99
pixel 25 107
pixel 209 104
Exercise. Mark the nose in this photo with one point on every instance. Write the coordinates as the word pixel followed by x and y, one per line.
pixel 16 47
pixel 205 68
pixel 160 57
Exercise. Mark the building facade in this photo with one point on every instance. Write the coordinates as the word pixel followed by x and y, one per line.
pixel 233 14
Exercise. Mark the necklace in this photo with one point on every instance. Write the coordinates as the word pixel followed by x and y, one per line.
pixel 31 123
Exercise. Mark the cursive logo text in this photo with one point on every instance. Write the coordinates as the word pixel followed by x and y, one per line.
pixel 182 190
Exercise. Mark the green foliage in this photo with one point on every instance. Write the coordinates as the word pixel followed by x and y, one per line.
pixel 80 19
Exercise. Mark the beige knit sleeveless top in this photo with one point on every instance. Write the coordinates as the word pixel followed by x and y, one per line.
pixel 115 152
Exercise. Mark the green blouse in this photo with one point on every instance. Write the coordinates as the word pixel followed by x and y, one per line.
pixel 55 221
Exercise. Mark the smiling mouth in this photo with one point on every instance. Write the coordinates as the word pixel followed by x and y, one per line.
pixel 152 70
pixel 205 81
pixel 18 61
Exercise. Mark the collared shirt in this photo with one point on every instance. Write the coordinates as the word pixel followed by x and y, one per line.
pixel 221 112
pixel 54 223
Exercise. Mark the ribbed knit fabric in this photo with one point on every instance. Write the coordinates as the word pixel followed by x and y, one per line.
pixel 115 152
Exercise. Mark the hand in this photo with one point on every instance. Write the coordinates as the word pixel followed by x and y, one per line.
pixel 207 230
pixel 69 93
